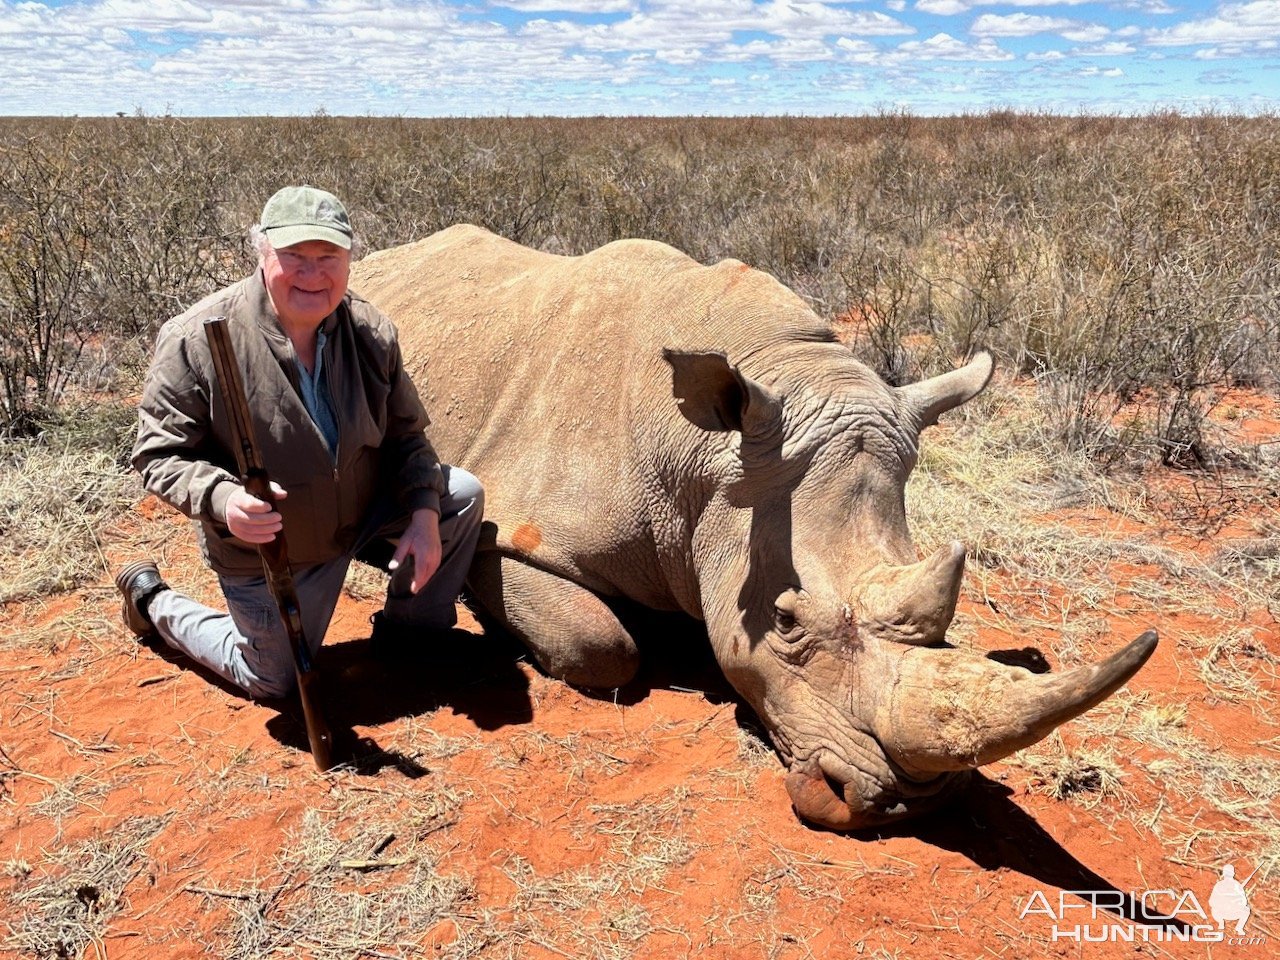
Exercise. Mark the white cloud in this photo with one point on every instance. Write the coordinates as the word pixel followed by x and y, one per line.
pixel 1149 7
pixel 949 8
pixel 943 8
pixel 1018 25
pixel 471 56
pixel 1234 23
pixel 1114 49
pixel 1234 51
pixel 149 14
pixel 567 6
pixel 943 46
pixel 1087 33
pixel 782 51
pixel 681 56
pixel 856 46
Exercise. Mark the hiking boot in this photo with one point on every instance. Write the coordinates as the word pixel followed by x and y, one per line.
pixel 138 583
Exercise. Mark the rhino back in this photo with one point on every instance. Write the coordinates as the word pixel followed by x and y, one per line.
pixel 544 375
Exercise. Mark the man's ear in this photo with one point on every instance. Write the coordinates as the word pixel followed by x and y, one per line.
pixel 714 395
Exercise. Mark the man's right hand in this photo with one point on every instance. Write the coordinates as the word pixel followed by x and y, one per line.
pixel 251 519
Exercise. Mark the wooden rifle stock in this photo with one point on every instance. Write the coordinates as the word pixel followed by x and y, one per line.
pixel 275 555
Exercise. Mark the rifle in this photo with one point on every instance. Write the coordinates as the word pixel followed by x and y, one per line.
pixel 275 555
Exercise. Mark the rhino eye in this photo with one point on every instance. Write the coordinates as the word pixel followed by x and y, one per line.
pixel 784 613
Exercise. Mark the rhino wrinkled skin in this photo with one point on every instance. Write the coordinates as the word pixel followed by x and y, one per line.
pixel 693 438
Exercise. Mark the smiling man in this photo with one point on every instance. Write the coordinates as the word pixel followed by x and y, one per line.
pixel 342 435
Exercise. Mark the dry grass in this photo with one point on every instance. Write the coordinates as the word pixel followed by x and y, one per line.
pixel 373 891
pixel 365 582
pixel 54 503
pixel 1021 502
pixel 1237 667
pixel 1084 257
pixel 65 902
pixel 1086 774
pixel 600 909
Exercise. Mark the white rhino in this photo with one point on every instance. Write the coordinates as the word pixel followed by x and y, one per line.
pixel 694 438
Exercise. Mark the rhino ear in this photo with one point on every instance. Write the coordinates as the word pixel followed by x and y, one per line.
pixel 714 395
pixel 933 397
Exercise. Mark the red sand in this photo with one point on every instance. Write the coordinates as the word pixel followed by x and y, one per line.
pixel 587 826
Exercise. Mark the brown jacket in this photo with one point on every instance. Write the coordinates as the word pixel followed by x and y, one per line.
pixel 184 448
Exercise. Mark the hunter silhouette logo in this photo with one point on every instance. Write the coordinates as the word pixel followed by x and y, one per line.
pixel 1229 901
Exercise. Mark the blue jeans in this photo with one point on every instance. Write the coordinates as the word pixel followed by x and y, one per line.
pixel 248 645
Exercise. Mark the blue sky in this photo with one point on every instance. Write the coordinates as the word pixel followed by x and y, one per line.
pixel 661 57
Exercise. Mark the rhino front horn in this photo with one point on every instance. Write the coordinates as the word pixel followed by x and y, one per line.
pixel 949 710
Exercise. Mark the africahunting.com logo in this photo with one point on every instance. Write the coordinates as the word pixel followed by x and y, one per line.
pixel 1154 916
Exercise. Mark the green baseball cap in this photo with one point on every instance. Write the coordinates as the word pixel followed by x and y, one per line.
pixel 297 214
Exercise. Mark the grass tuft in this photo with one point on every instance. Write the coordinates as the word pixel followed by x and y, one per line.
pixel 65 903
pixel 372 891
pixel 55 499
pixel 1086 775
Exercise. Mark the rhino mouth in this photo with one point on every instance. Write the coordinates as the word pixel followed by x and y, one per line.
pixel 828 792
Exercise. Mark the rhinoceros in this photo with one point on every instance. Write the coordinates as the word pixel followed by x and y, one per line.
pixel 694 438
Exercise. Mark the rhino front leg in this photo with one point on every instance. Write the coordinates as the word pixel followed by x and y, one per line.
pixel 571 633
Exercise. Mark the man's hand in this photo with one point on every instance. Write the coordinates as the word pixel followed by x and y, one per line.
pixel 251 519
pixel 420 540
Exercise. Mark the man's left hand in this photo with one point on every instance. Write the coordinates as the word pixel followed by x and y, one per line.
pixel 421 541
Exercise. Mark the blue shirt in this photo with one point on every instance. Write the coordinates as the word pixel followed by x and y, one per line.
pixel 315 395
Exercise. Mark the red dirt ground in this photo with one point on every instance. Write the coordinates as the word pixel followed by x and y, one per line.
pixel 646 826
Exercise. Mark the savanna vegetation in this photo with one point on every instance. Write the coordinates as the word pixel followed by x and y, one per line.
pixel 1106 258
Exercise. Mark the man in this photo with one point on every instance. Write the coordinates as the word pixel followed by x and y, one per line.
pixel 341 430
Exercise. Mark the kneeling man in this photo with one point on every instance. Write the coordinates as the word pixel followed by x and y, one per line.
pixel 342 435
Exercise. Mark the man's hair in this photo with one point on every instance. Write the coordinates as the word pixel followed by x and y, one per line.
pixel 259 244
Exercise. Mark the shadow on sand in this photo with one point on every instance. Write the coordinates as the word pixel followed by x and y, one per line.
pixel 986 826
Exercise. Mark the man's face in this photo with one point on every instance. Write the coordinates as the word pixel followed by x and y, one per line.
pixel 306 281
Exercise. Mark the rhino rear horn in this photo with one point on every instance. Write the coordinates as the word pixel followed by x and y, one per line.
pixel 714 395
pixel 931 398
pixel 915 603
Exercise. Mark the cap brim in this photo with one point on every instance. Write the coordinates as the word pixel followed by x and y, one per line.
pixel 281 237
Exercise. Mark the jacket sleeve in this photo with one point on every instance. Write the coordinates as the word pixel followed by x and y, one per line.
pixel 420 480
pixel 174 451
